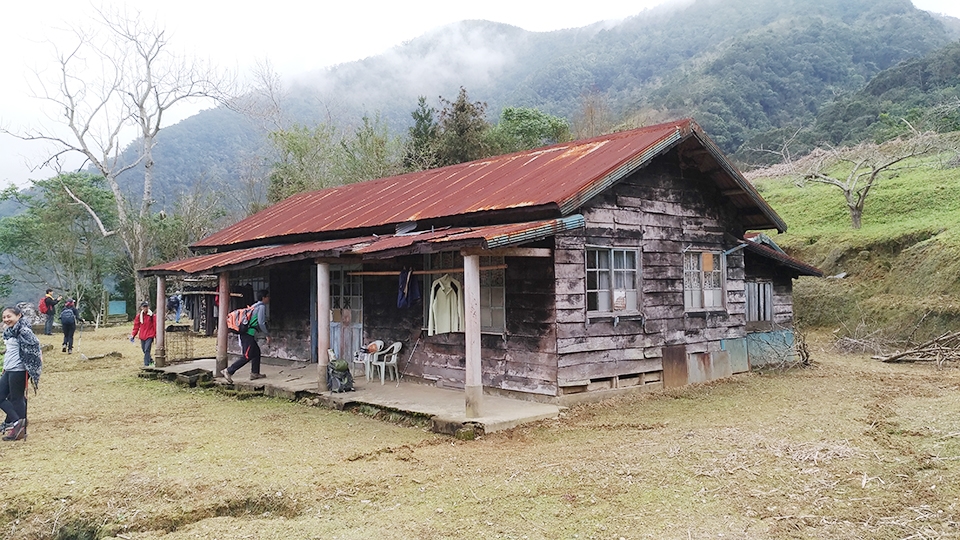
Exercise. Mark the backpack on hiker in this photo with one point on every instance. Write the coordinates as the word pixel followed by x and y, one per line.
pixel 238 320
pixel 67 316
pixel 42 305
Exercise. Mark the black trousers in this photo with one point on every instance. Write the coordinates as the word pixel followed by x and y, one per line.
pixel 13 385
pixel 68 330
pixel 249 352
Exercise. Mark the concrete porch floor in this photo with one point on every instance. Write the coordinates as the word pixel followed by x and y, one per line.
pixel 444 407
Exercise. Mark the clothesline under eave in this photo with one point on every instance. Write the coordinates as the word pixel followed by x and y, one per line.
pixel 424 272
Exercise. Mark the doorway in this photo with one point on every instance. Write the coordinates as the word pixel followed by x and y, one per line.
pixel 346 310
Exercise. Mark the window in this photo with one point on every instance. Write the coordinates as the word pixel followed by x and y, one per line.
pixel 492 289
pixel 702 280
pixel 612 280
pixel 759 301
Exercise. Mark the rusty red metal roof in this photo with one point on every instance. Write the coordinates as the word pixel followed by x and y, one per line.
pixel 800 267
pixel 560 177
pixel 370 247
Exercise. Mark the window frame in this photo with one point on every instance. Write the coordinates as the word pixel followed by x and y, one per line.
pixel 493 289
pixel 719 260
pixel 761 290
pixel 612 278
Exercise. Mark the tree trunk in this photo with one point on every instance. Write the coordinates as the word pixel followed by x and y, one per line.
pixel 855 214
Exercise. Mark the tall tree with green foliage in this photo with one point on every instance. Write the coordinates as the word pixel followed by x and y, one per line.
pixel 369 153
pixel 463 131
pixel 523 128
pixel 195 215
pixel 306 160
pixel 420 149
pixel 55 238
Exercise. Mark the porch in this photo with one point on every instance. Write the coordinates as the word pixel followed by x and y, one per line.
pixel 298 380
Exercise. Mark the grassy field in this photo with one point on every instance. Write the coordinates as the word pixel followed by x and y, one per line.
pixel 902 267
pixel 848 448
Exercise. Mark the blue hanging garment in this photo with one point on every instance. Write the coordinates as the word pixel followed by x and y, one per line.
pixel 408 293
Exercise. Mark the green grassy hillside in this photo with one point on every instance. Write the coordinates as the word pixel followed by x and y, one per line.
pixel 902 268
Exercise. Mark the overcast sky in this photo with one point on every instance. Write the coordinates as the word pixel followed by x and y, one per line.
pixel 294 36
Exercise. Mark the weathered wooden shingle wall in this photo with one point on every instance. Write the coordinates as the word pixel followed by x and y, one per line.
pixel 382 319
pixel 522 359
pixel 663 211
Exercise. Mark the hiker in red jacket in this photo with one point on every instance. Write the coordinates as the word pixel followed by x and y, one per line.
pixel 145 327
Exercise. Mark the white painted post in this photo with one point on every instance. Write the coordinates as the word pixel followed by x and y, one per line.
pixel 473 381
pixel 323 324
pixel 160 356
pixel 223 290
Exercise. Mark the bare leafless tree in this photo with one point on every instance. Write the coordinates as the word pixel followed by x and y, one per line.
pixel 263 101
pixel 119 82
pixel 855 170
pixel 593 118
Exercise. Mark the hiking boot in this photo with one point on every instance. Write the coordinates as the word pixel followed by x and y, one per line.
pixel 16 431
pixel 255 376
pixel 226 375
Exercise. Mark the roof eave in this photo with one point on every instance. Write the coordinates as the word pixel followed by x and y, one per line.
pixel 776 221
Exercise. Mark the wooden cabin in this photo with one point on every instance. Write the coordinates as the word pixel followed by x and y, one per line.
pixel 569 272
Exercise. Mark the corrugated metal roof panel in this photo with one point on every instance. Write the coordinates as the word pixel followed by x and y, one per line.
pixel 557 175
pixel 797 265
pixel 242 258
pixel 485 237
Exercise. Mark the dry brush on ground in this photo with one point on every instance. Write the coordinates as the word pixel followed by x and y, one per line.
pixel 848 447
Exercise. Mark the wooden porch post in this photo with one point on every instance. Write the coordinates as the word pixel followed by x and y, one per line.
pixel 471 302
pixel 160 358
pixel 223 290
pixel 323 323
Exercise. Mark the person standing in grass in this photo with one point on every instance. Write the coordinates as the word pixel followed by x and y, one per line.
pixel 22 361
pixel 145 327
pixel 68 321
pixel 51 304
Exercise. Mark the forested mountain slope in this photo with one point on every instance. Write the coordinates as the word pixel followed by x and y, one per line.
pixel 749 71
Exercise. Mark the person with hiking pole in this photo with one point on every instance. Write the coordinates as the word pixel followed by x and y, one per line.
pixel 145 327
pixel 68 321
pixel 22 361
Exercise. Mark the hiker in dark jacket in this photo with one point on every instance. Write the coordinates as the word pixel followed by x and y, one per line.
pixel 51 304
pixel 68 320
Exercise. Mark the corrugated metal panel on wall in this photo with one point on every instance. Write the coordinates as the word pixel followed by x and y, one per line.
pixel 766 348
pixel 737 348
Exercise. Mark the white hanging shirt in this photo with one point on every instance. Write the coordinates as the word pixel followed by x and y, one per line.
pixel 446 306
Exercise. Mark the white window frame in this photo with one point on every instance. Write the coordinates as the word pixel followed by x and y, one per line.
pixel 699 276
pixel 609 291
pixel 759 301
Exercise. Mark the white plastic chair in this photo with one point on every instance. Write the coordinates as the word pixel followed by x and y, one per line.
pixel 364 357
pixel 387 359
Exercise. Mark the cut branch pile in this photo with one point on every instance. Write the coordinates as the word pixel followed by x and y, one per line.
pixel 939 350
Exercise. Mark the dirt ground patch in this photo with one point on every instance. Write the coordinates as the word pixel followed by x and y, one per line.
pixel 848 448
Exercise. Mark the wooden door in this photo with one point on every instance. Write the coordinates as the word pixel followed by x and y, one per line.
pixel 346 310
